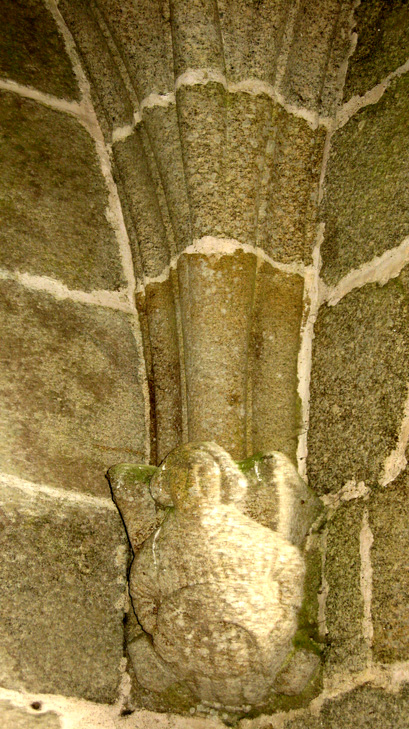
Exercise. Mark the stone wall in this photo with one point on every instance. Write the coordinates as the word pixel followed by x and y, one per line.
pixel 205 226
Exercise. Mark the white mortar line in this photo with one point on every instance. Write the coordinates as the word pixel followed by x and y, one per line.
pixel 162 100
pixel 218 247
pixel 114 210
pixel 350 490
pixel 396 462
pixel 389 677
pixel 365 544
pixel 311 303
pixel 117 300
pixel 379 270
pixel 356 103
pixel 73 713
pixel 73 497
pixel 343 69
pixel 74 108
pixel 253 86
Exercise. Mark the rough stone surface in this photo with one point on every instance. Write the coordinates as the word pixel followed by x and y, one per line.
pixel 133 172
pixel 196 37
pixel 163 335
pixel 362 708
pixel 216 301
pixel 109 93
pixel 276 317
pixel 287 212
pixel 202 129
pixel 358 385
pixel 250 130
pixel 73 404
pixel 63 577
pixel 161 124
pixel 53 199
pixel 366 201
pixel 207 585
pixel 389 522
pixel 142 33
pixel 319 45
pixel 252 37
pixel 13 717
pixel 344 603
pixel 32 52
pixel 383 43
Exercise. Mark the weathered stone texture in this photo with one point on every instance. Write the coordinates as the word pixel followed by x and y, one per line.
pixel 366 201
pixel 108 90
pixel 249 129
pixel 344 604
pixel 137 183
pixel 202 128
pixel 252 35
pixel 275 338
pixel 363 708
pixel 358 385
pixel 161 124
pixel 216 294
pixel 164 345
pixel 13 717
pixel 319 45
pixel 197 41
pixel 63 578
pixel 142 32
pixel 32 51
pixel 53 199
pixel 389 521
pixel 73 404
pixel 383 43
pixel 289 190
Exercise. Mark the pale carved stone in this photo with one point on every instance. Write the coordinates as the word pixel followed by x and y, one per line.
pixel 217 577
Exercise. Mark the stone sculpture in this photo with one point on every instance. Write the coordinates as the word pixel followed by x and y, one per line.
pixel 217 576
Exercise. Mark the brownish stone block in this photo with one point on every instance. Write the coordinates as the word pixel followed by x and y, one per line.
pixel 389 521
pixel 32 52
pixel 344 603
pixel 73 404
pixel 63 578
pixel 358 385
pixel 53 199
pixel 275 344
pixel 382 28
pixel 366 201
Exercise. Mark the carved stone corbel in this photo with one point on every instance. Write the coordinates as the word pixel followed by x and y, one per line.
pixel 217 577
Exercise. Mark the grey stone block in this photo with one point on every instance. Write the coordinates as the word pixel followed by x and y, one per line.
pixel 73 403
pixel 344 603
pixel 142 33
pixel 358 385
pixel 63 578
pixel 277 311
pixel 389 521
pixel 252 37
pixel 383 44
pixel 216 301
pixel 366 201
pixel 287 216
pixel 110 96
pixel 32 52
pixel 54 199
